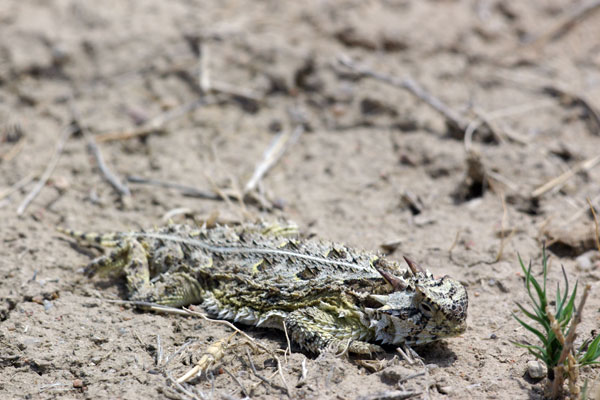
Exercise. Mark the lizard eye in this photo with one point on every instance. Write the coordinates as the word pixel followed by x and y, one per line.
pixel 426 309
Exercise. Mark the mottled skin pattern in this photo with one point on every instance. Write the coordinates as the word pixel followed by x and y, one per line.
pixel 326 295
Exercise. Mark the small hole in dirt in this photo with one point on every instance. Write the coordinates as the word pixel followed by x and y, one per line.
pixel 561 249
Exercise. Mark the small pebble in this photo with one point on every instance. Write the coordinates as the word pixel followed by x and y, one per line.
pixel 585 262
pixel 77 383
pixel 47 305
pixel 449 390
pixel 536 369
pixel 96 360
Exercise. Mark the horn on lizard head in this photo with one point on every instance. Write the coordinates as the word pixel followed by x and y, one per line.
pixel 397 283
pixel 414 267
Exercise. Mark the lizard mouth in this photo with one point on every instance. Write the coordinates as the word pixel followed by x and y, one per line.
pixel 460 329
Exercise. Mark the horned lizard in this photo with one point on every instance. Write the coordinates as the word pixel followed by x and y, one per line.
pixel 325 294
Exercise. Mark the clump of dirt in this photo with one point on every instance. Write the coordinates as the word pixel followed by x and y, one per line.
pixel 126 115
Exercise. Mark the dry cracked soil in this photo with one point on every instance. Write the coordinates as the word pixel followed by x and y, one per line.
pixel 187 95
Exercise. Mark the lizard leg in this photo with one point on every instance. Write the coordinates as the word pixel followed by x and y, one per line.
pixel 316 330
pixel 128 258
pixel 113 262
pixel 137 270
pixel 172 289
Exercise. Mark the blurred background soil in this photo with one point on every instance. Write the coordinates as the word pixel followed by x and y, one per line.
pixel 193 93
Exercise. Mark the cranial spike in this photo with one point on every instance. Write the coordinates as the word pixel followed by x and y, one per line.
pixel 397 283
pixel 380 298
pixel 414 267
pixel 249 319
pixel 262 320
pixel 242 315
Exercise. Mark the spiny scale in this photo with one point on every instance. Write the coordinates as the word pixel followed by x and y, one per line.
pixel 326 295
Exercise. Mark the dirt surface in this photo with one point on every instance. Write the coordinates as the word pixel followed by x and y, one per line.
pixel 374 165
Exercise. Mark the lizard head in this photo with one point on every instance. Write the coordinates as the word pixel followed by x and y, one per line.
pixel 420 309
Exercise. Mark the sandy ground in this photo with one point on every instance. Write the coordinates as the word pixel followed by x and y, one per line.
pixel 375 165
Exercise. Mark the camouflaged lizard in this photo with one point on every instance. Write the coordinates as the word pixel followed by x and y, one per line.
pixel 326 295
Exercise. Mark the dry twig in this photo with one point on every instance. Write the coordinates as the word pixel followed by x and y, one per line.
pixel 576 100
pixel 564 177
pixel 391 395
pixel 596 226
pixel 236 380
pixel 567 349
pixel 159 351
pixel 453 118
pixel 203 67
pixel 274 152
pixel 213 353
pixel 111 178
pixel 181 348
pixel 18 185
pixel 188 191
pixel 66 133
pixel 93 148
pixel 183 390
pixel 14 150
pixel 580 212
pixel 583 11
pixel 154 125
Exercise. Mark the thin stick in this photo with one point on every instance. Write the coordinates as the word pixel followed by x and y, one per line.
pixel 127 134
pixel 181 348
pixel 180 387
pixel 304 374
pixel 18 185
pixel 487 118
pixel 391 395
pixel 274 152
pixel 585 10
pixel 597 235
pixel 203 68
pixel 213 353
pixel 229 89
pixel 93 148
pixel 236 195
pixel 576 99
pixel 289 347
pixel 503 228
pixel 111 178
pixel 66 133
pixel 561 179
pixel 188 191
pixel 580 212
pixel 159 351
pixel 566 341
pixel 455 241
pixel 139 339
pixel 155 124
pixel 452 117
pixel 412 376
pixel 255 372
pixel 244 390
pixel 14 150
pixel 280 370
